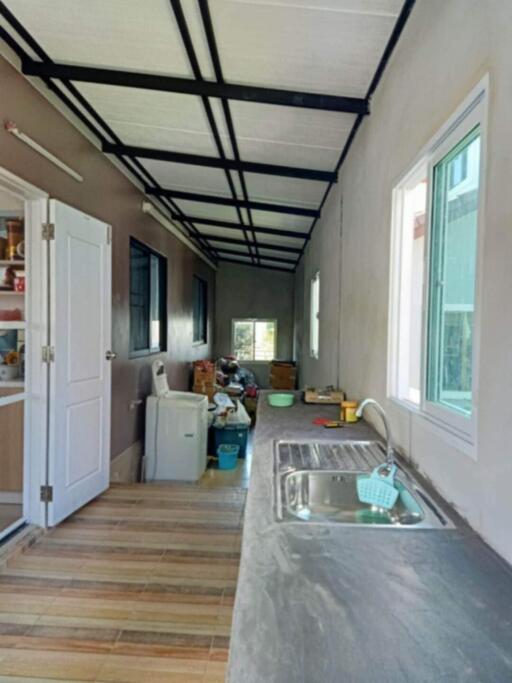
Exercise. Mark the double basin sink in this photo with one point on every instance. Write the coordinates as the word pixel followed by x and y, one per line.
pixel 317 483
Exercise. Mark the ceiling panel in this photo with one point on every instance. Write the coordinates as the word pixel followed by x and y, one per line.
pixel 318 47
pixel 279 240
pixel 211 230
pixel 276 254
pixel 291 125
pixel 277 264
pixel 232 247
pixel 283 221
pixel 123 34
pixel 152 119
pixel 285 190
pixel 212 211
pixel 188 178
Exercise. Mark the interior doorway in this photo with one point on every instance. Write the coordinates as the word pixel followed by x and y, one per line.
pixel 55 374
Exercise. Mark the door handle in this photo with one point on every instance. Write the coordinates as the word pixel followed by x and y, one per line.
pixel 110 355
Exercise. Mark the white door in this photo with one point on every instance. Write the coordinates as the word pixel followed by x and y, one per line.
pixel 80 373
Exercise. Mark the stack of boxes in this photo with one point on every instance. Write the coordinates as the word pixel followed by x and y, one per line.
pixel 204 378
pixel 283 375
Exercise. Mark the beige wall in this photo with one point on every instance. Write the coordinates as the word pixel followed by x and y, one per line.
pixel 245 292
pixel 446 48
pixel 322 254
pixel 108 195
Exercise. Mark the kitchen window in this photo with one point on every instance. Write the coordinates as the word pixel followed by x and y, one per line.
pixel 434 311
pixel 200 310
pixel 314 319
pixel 254 339
pixel 148 300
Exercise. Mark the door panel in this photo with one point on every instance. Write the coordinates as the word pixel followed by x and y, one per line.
pixel 80 312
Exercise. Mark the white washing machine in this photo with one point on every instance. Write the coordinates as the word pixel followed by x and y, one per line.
pixel 176 432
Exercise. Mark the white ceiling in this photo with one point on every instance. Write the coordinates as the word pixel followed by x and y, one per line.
pixel 318 46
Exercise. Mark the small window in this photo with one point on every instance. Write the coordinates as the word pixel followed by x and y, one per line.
pixel 453 253
pixel 200 310
pixel 314 322
pixel 254 340
pixel 148 300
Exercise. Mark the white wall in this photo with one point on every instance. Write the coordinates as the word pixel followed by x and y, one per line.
pixel 323 254
pixel 446 48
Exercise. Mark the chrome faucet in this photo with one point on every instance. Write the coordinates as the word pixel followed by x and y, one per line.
pixel 390 458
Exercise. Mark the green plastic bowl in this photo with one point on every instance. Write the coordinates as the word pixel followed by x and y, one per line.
pixel 281 400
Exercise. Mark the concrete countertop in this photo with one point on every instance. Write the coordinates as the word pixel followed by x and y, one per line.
pixel 331 604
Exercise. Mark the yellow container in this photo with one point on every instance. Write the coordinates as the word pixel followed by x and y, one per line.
pixel 348 411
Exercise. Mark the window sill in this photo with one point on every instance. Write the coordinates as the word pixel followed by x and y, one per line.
pixel 133 355
pixel 199 343
pixel 452 436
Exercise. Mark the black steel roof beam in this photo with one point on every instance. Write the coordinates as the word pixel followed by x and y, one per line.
pixel 196 70
pixel 214 54
pixel 201 88
pixel 214 162
pixel 227 201
pixel 256 265
pixel 406 10
pixel 133 166
pixel 261 245
pixel 274 259
pixel 235 226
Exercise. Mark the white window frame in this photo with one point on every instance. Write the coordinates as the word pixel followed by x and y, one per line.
pixel 399 292
pixel 459 430
pixel 254 320
pixel 314 318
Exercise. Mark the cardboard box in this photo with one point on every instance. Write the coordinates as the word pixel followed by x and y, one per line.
pixel 283 375
pixel 206 389
pixel 204 372
pixel 326 396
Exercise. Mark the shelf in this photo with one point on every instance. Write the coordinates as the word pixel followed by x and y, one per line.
pixel 12 324
pixel 17 264
pixel 12 384
pixel 10 292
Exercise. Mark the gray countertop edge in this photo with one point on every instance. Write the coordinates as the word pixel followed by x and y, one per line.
pixel 331 604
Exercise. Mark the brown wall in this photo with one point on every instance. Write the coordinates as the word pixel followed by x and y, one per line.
pixel 107 195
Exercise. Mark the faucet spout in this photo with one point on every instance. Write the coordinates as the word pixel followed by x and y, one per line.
pixel 390 457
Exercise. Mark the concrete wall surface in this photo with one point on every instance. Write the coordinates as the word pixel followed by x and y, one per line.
pixel 245 292
pixel 445 50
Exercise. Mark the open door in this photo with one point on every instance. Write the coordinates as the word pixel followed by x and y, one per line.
pixel 79 354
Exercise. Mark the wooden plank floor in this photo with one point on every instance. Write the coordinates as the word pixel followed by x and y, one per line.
pixel 136 586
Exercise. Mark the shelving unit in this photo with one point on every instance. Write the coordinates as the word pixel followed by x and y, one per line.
pixel 12 384
pixel 18 264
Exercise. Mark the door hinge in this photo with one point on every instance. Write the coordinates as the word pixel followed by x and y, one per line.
pixel 48 354
pixel 109 234
pixel 46 494
pixel 48 231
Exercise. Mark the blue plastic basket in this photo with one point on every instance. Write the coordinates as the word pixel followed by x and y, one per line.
pixel 378 489
pixel 228 456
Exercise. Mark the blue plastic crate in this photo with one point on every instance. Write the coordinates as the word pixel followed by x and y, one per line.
pixel 228 456
pixel 236 434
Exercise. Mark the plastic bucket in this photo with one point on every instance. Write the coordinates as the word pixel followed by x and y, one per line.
pixel 228 456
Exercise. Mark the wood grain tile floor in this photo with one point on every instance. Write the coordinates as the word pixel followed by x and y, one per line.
pixel 138 586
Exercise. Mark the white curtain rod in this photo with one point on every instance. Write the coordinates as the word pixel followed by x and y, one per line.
pixel 13 129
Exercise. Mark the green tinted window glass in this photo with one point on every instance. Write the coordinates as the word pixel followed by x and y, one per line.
pixel 453 251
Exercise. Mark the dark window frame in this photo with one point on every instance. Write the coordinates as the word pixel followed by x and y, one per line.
pixel 162 290
pixel 202 285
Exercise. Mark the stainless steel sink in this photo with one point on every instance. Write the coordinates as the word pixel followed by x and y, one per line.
pixel 325 495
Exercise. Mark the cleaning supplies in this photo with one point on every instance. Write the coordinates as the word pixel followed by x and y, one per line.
pixel 378 488
pixel 348 411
